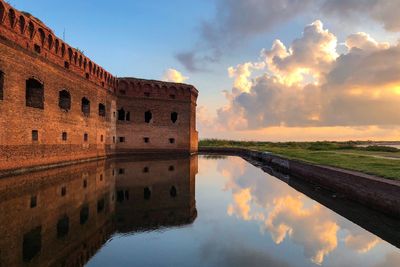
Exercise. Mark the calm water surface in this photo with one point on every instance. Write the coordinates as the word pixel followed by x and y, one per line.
pixel 206 211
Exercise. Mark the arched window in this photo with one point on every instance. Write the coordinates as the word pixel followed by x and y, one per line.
pixel 85 107
pixel 11 17
pixel 100 205
pixel 63 226
pixel 63 50
pixel 84 214
pixel 70 54
pixel 50 42
pixel 174 117
pixel 42 36
pixel 1 12
pixel 121 114
pixel 146 193
pixel 34 94
pixel 102 110
pixel 31 30
pixel 148 116
pixel 172 192
pixel 120 196
pixel 1 85
pixel 32 244
pixel 21 24
pixel 57 46
pixel 64 100
pixel 128 116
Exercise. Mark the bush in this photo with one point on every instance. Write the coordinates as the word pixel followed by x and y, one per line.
pixel 382 149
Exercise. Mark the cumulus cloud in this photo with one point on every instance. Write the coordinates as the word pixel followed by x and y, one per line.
pixel 239 20
pixel 172 75
pixel 383 11
pixel 308 84
pixel 364 42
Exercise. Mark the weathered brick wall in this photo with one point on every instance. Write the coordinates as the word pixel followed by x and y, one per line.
pixel 30 50
pixel 137 97
pixel 18 121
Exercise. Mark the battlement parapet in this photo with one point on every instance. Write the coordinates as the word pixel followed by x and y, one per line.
pixel 30 33
pixel 142 88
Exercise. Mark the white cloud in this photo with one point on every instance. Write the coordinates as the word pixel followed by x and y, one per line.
pixel 172 75
pixel 309 85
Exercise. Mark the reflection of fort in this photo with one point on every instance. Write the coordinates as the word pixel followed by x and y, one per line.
pixel 61 217
pixel 154 194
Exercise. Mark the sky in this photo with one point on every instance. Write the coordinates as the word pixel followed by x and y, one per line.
pixel 271 70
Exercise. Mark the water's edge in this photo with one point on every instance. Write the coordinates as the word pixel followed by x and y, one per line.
pixel 380 194
pixel 146 153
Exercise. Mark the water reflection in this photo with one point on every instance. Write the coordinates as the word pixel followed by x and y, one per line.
pixel 144 212
pixel 286 214
pixel 62 217
pixel 155 194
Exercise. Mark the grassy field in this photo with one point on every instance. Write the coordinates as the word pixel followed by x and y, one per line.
pixel 377 160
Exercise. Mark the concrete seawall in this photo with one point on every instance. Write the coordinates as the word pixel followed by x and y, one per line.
pixel 378 193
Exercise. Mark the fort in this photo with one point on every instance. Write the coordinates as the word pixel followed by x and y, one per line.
pixel 57 105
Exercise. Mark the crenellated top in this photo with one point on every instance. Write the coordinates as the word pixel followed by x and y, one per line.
pixel 32 34
pixel 133 87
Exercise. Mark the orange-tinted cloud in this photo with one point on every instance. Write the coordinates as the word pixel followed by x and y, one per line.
pixel 310 85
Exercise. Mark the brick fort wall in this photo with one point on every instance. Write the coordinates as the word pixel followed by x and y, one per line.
pixel 57 105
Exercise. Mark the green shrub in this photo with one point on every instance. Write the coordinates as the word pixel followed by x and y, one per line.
pixel 382 148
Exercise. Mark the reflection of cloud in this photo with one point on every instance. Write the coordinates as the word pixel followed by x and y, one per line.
pixel 310 227
pixel 362 242
pixel 391 260
pixel 288 214
pixel 234 254
pixel 232 168
pixel 241 206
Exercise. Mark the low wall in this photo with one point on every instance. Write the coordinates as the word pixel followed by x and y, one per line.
pixel 378 193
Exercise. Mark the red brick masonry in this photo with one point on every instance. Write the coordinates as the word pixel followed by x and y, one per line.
pixel 57 105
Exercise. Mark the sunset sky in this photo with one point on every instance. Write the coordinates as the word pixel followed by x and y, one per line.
pixel 272 70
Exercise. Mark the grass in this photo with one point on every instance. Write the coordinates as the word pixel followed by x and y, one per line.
pixel 376 160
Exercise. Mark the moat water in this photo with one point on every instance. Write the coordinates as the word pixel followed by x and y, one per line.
pixel 198 211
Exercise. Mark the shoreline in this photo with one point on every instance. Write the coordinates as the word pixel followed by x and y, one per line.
pixel 377 193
